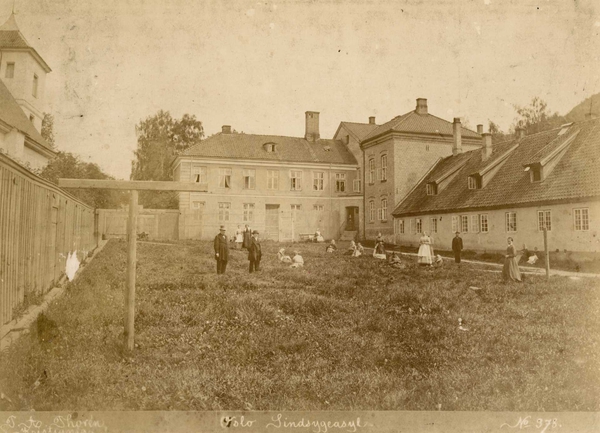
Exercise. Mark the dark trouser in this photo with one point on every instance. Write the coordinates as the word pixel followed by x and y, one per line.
pixel 254 265
pixel 221 265
pixel 457 256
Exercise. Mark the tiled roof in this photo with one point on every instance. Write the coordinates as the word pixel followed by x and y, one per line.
pixel 12 114
pixel 575 176
pixel 288 149
pixel 553 146
pixel 412 122
pixel 359 130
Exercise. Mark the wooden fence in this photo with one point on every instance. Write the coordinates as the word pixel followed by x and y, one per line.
pixel 159 224
pixel 40 224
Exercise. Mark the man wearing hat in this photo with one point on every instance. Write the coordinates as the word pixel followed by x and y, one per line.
pixel 457 246
pixel 254 252
pixel 221 250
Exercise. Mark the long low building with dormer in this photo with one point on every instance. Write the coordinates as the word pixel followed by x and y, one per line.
pixel 514 189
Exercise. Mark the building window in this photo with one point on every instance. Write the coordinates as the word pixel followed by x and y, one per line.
pixel 472 182
pixel 199 174
pixel 371 171
pixel 464 223
pixel 318 207
pixel 454 224
pixel 483 223
pixel 10 70
pixel 511 222
pixel 544 220
pixel 34 89
pixel 356 183
pixel 383 209
pixel 582 219
pixel 401 226
pixel 536 174
pixel 318 179
pixel 427 147
pixel 295 209
pixel 295 180
pixel 31 118
pixel 224 211
pixel 196 205
pixel 383 168
pixel 475 223
pixel 340 182
pixel 269 147
pixel 431 189
pixel 225 178
pixel 371 211
pixel 419 225
pixel 433 225
pixel 248 212
pixel 249 178
pixel 272 179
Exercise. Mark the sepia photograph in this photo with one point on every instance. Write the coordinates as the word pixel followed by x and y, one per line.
pixel 299 216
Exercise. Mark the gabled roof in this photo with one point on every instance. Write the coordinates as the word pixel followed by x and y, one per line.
pixel 12 114
pixel 576 176
pixel 414 123
pixel 357 130
pixel 288 149
pixel 12 38
pixel 564 138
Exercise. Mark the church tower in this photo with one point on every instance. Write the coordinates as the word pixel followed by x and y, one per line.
pixel 23 71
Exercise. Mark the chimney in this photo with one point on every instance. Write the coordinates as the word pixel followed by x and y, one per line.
pixel 480 129
pixel 421 106
pixel 520 133
pixel 226 129
pixel 486 149
pixel 372 120
pixel 456 133
pixel 312 126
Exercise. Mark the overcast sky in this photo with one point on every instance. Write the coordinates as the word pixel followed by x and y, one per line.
pixel 258 66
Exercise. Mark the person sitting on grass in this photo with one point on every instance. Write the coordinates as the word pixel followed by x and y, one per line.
pixel 359 251
pixel 317 237
pixel 282 257
pixel 351 248
pixel 331 247
pixel 297 260
pixel 395 261
pixel 439 261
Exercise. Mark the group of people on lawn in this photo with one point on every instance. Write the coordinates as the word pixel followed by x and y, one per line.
pixel 248 239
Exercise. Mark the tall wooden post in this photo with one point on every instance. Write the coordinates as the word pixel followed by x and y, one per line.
pixel 131 267
pixel 546 253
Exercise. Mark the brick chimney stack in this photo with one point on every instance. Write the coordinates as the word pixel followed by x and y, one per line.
pixel 480 129
pixel 421 106
pixel 486 149
pixel 226 129
pixel 372 120
pixel 457 135
pixel 312 126
pixel 520 133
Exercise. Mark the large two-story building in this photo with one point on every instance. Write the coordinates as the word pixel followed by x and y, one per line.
pixel 282 186
pixel 22 84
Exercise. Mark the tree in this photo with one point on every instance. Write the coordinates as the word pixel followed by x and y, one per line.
pixel 67 165
pixel 48 129
pixel 497 135
pixel 160 139
pixel 536 117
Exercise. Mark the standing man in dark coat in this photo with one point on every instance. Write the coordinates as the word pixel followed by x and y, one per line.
pixel 247 237
pixel 221 250
pixel 254 252
pixel 457 246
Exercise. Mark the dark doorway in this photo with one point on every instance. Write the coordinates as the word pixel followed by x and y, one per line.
pixel 352 218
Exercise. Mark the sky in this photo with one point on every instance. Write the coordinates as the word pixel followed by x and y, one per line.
pixel 258 66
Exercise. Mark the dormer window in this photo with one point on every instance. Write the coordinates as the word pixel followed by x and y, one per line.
pixel 473 182
pixel 536 174
pixel 269 147
pixel 431 188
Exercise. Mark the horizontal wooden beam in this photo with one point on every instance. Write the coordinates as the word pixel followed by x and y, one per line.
pixel 150 185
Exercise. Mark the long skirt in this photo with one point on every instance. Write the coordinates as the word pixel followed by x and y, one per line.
pixel 511 271
pixel 425 255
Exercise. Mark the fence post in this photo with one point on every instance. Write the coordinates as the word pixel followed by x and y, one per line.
pixel 131 265
pixel 547 253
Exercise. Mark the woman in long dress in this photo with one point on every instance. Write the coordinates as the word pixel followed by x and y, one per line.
pixel 239 238
pixel 425 254
pixel 510 271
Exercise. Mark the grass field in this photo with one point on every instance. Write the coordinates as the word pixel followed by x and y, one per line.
pixel 341 333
